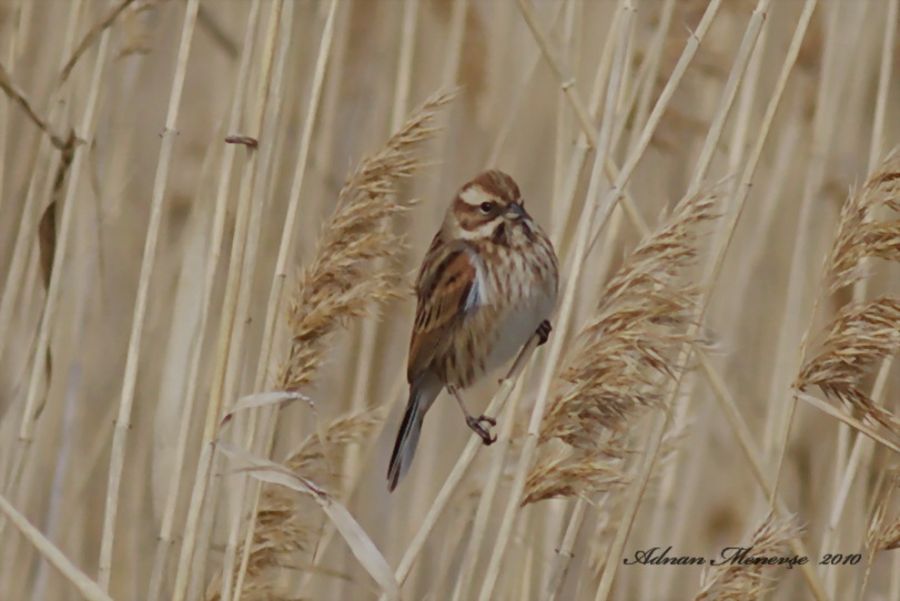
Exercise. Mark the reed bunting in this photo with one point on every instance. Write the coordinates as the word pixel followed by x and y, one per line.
pixel 486 286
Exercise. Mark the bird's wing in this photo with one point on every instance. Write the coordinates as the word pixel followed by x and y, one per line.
pixel 448 290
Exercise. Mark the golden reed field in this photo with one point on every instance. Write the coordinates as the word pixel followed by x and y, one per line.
pixel 212 213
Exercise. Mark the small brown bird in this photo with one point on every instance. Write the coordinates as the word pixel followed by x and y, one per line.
pixel 486 286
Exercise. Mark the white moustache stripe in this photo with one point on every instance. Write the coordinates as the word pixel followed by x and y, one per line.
pixel 485 230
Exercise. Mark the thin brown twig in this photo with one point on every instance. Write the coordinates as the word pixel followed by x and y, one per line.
pixel 91 36
pixel 18 96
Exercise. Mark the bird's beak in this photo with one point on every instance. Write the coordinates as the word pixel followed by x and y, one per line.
pixel 515 211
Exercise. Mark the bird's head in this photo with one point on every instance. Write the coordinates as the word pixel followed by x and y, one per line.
pixel 489 207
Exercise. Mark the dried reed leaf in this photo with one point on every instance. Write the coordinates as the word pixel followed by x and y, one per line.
pixel 360 543
pixel 47 241
pixel 47 222
pixel 747 581
pixel 858 337
pixel 858 237
pixel 281 531
pixel 264 399
pixel 285 524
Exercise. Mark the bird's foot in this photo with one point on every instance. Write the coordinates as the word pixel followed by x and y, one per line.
pixel 475 423
pixel 543 332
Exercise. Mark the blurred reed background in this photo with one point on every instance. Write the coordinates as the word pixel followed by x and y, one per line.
pixel 201 201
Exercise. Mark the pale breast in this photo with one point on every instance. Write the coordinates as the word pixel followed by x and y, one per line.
pixel 516 326
pixel 518 292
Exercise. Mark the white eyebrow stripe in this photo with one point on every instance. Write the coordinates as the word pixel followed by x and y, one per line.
pixel 474 195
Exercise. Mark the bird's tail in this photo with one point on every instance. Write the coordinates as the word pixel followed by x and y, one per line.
pixel 421 396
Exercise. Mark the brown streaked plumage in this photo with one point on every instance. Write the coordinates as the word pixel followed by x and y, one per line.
pixel 487 285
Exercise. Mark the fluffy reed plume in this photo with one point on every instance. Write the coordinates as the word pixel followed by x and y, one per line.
pixel 884 532
pixel 861 334
pixel 280 532
pixel 889 539
pixel 355 267
pixel 858 337
pixel 746 580
pixel 616 367
pixel 318 456
pixel 569 473
pixel 889 536
pixel 858 236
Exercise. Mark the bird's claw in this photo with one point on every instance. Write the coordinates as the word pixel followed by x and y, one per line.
pixel 475 423
pixel 543 332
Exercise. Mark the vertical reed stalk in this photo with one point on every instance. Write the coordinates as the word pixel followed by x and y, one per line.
pixel 213 253
pixel 23 252
pixel 590 213
pixel 276 289
pixel 224 347
pixel 38 369
pixel 126 401
pixel 272 106
pixel 823 130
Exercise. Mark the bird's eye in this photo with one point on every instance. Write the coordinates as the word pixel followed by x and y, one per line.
pixel 487 207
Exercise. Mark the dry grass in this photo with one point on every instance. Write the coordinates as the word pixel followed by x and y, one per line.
pixel 356 263
pixel 859 235
pixel 632 342
pixel 287 523
pixel 205 201
pixel 859 336
pixel 730 582
pixel 884 527
pixel 623 361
